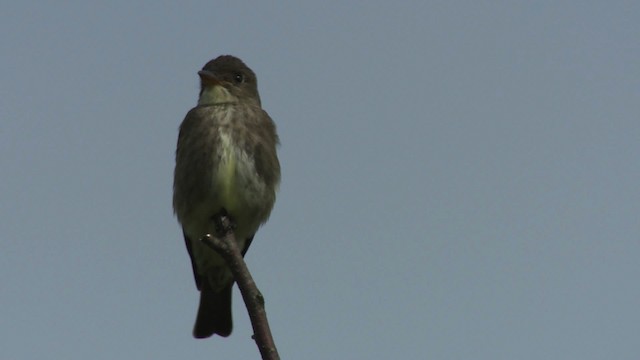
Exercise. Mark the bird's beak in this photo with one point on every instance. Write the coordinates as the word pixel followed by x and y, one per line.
pixel 208 78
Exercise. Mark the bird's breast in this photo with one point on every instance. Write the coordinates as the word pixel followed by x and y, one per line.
pixel 231 161
pixel 241 190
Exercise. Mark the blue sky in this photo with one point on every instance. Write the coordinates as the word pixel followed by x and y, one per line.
pixel 460 178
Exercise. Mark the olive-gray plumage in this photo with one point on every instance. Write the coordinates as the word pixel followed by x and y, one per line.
pixel 226 162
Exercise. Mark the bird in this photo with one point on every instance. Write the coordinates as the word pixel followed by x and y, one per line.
pixel 226 164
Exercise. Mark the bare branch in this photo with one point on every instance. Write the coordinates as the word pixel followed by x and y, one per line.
pixel 224 243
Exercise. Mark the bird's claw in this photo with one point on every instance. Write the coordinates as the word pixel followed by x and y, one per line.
pixel 223 223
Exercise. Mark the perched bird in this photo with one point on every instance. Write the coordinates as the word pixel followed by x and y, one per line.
pixel 226 164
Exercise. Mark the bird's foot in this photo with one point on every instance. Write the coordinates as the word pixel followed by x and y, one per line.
pixel 223 223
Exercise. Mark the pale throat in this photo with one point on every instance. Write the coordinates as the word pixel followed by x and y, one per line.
pixel 217 94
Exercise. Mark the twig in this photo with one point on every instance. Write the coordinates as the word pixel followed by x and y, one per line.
pixel 224 243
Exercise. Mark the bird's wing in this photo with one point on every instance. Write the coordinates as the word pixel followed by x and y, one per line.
pixel 196 277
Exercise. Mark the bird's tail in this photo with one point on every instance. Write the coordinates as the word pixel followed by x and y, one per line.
pixel 214 313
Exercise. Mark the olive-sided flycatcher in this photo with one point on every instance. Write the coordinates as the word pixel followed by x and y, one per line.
pixel 226 163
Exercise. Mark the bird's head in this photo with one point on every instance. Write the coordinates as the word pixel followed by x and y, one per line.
pixel 226 79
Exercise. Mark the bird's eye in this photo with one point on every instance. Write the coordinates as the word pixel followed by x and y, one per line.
pixel 238 78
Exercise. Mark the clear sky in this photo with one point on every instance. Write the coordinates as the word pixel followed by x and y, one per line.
pixel 460 178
